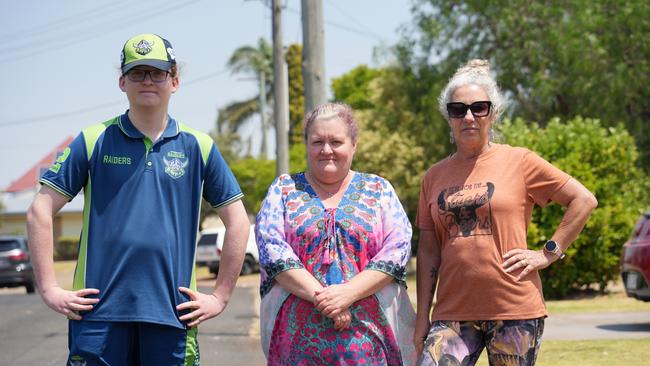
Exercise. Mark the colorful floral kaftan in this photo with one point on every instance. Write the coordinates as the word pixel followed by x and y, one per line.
pixel 367 231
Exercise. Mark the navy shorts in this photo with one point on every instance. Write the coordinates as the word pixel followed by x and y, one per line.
pixel 95 343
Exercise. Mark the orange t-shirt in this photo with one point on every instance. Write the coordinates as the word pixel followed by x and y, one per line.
pixel 480 209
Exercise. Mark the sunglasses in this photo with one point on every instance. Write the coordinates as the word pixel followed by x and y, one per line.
pixel 478 109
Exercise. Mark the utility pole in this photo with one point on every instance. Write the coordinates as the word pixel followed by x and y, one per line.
pixel 280 92
pixel 313 54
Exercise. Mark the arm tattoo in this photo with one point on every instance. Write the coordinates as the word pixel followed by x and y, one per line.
pixel 434 276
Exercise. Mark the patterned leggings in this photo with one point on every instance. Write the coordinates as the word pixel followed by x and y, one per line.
pixel 508 342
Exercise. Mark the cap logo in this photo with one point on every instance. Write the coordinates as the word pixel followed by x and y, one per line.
pixel 143 47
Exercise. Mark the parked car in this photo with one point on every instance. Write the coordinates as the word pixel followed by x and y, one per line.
pixel 210 244
pixel 635 260
pixel 15 267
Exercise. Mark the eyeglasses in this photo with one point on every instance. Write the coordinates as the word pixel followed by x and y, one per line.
pixel 138 75
pixel 478 109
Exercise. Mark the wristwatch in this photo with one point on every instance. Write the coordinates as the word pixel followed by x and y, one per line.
pixel 552 247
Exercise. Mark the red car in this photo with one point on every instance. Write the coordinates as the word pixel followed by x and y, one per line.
pixel 635 263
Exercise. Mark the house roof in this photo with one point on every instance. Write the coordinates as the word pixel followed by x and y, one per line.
pixel 16 204
pixel 20 193
pixel 29 180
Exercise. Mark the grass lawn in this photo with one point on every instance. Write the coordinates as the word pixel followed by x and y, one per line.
pixel 628 352
pixel 614 301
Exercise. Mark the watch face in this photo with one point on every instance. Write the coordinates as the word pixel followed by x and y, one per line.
pixel 550 245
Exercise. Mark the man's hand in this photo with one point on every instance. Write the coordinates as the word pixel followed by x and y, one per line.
pixel 202 307
pixel 69 303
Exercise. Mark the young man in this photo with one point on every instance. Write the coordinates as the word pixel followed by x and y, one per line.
pixel 143 174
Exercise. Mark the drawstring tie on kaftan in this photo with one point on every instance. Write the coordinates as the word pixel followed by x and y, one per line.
pixel 331 255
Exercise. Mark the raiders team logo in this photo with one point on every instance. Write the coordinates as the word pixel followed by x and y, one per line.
pixel 175 164
pixel 76 361
pixel 143 47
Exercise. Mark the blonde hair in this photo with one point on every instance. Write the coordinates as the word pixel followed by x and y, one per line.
pixel 474 72
pixel 333 110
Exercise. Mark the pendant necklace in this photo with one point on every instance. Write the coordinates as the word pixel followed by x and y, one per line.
pixel 329 195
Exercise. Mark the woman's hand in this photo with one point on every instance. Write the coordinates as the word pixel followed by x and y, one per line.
pixel 420 334
pixel 202 307
pixel 342 320
pixel 334 299
pixel 525 259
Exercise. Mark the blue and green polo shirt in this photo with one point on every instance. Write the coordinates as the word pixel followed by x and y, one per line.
pixel 141 214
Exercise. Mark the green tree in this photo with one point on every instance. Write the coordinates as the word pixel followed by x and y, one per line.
pixel 296 93
pixel 229 145
pixel 254 176
pixel 392 156
pixel 605 161
pixel 258 63
pixel 554 59
pixel 387 145
pixel 355 87
pixel 297 157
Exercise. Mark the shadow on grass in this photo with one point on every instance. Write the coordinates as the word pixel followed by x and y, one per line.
pixel 630 327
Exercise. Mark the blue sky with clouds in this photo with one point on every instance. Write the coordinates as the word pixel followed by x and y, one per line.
pixel 60 59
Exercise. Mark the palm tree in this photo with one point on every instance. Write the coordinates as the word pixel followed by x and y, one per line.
pixel 258 62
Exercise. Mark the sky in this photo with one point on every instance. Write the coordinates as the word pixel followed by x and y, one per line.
pixel 60 60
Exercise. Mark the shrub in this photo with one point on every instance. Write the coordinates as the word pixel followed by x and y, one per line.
pixel 254 177
pixel 605 160
pixel 66 248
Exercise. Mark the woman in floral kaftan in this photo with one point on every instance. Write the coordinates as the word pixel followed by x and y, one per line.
pixel 334 245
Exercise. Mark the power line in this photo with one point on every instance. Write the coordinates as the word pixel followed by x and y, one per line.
pixel 55 36
pixel 59 115
pixel 345 27
pixel 59 41
pixel 333 4
pixel 35 31
pixel 51 116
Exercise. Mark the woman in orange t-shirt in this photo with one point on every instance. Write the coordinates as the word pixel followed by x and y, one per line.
pixel 473 215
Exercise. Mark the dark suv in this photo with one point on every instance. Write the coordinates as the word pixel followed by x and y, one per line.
pixel 15 267
pixel 635 260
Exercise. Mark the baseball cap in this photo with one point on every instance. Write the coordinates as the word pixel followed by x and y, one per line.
pixel 147 49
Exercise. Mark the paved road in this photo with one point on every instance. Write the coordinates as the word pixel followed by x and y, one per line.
pixel 611 325
pixel 233 337
pixel 31 334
